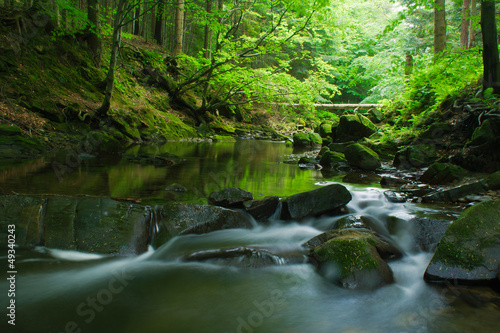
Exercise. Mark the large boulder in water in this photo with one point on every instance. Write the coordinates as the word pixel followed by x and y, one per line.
pixel 324 200
pixel 352 258
pixel 187 218
pixel 89 224
pixel 307 140
pixel 362 157
pixel 443 173
pixel 229 197
pixel 354 128
pixel 427 232
pixel 262 209
pixel 469 250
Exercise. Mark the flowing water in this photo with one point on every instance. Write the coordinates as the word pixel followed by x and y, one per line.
pixel 67 291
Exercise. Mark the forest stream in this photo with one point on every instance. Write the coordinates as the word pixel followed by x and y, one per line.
pixel 70 291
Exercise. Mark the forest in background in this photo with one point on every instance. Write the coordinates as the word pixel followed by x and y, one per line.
pixel 156 69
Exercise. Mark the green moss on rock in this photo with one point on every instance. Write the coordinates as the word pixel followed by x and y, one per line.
pixel 362 157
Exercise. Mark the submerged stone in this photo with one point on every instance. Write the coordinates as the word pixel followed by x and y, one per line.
pixel 246 257
pixel 469 250
pixel 229 197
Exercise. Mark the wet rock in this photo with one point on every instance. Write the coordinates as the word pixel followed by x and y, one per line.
pixel 101 142
pixel 427 232
pixel 333 160
pixel 89 224
pixel 454 194
pixel 469 250
pixel 324 200
pixel 415 156
pixel 392 181
pixel 229 197
pixel 354 128
pixel 262 209
pixel 240 257
pixel 396 197
pixel 307 140
pixel 443 173
pixel 322 151
pixel 352 258
pixel 492 182
pixel 187 218
pixel 436 131
pixel 362 157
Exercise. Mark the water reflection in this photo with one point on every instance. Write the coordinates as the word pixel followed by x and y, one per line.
pixel 255 166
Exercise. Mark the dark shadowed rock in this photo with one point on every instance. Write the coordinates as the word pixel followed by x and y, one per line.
pixel 333 160
pixel 469 250
pixel 354 128
pixel 317 202
pixel 443 173
pixel 352 258
pixel 262 209
pixel 240 257
pixel 415 156
pixel 229 197
pixel 427 232
pixel 186 218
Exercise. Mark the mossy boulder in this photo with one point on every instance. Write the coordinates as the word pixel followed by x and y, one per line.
pixel 340 146
pixel 324 200
pixel 229 197
pixel 362 157
pixel 325 130
pixel 354 128
pixel 443 173
pixel 492 181
pixel 307 140
pixel 436 131
pixel 483 134
pixel 333 160
pixel 415 156
pixel 469 250
pixel 352 258
pixel 223 138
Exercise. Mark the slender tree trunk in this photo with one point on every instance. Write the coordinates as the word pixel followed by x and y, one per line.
pixel 179 28
pixel 94 41
pixel 472 31
pixel 207 45
pixel 110 78
pixel 159 23
pixel 439 27
pixel 137 20
pixel 464 28
pixel 490 46
pixel 408 65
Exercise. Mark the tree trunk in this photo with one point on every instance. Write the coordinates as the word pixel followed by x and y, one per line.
pixel 490 46
pixel 137 20
pixel 408 65
pixel 472 31
pixel 179 28
pixel 159 23
pixel 94 41
pixel 439 27
pixel 464 28
pixel 102 112
pixel 207 45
